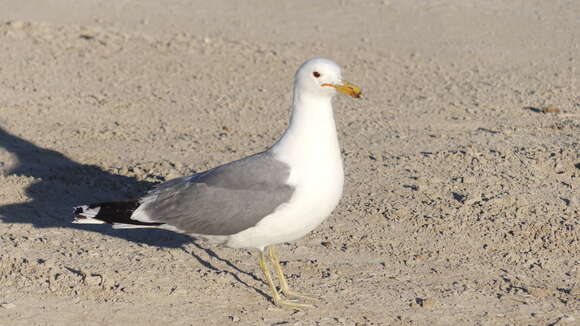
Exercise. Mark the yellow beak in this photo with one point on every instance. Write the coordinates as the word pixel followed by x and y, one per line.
pixel 347 88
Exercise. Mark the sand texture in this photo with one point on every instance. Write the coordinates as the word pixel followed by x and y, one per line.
pixel 462 162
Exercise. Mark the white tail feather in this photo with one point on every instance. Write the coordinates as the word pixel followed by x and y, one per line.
pixel 86 215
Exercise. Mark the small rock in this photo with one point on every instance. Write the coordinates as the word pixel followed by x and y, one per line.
pixel 234 318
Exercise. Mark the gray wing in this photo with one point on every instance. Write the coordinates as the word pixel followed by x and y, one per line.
pixel 222 201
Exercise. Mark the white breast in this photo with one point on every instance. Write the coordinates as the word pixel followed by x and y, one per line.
pixel 314 198
pixel 310 147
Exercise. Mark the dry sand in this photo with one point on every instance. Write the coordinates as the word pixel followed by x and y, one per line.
pixel 461 204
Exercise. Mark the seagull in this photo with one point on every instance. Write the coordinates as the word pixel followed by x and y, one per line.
pixel 272 197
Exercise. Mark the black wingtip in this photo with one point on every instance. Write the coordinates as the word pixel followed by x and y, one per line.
pixel 118 212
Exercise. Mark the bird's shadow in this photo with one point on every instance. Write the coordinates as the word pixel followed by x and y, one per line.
pixel 60 183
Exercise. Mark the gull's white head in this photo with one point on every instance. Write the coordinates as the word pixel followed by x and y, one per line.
pixel 322 77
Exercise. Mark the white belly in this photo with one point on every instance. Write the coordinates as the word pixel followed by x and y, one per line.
pixel 316 194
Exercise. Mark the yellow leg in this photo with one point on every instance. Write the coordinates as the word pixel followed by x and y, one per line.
pixel 275 295
pixel 283 283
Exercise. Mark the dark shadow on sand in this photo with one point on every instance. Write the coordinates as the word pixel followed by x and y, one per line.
pixel 61 183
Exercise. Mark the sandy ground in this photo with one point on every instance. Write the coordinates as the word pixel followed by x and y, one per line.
pixel 461 202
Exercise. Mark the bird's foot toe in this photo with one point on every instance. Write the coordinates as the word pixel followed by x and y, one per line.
pixel 295 296
pixel 291 303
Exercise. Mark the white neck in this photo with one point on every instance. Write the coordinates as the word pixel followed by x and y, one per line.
pixel 311 137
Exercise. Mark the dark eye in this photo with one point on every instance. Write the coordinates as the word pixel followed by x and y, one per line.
pixel 316 74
